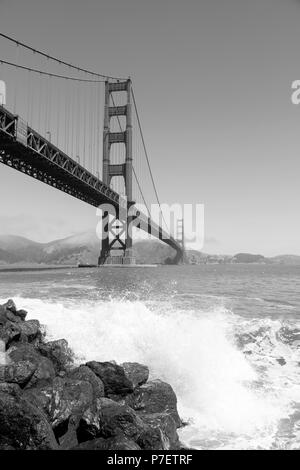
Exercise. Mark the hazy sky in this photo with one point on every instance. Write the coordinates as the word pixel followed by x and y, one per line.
pixel 213 81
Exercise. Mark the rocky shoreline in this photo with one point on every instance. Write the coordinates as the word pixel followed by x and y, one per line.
pixel 49 403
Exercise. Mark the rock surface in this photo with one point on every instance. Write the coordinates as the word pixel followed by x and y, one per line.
pixel 85 373
pixel 113 377
pixel 47 402
pixel 23 426
pixel 155 397
pixel 59 353
pixel 137 374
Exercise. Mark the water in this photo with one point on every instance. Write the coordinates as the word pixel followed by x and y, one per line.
pixel 226 337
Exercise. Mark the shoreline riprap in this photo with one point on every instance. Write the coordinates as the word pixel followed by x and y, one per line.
pixel 48 402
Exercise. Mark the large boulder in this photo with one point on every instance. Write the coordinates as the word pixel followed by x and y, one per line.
pixel 160 434
pixel 116 419
pixel 23 358
pixel 113 443
pixel 9 331
pixel 13 328
pixel 22 314
pixel 107 418
pixel 59 353
pixel 61 399
pixel 113 377
pixel 12 317
pixel 18 372
pixel 136 373
pixel 85 373
pixel 10 305
pixel 23 425
pixel 30 331
pixel 9 309
pixel 154 397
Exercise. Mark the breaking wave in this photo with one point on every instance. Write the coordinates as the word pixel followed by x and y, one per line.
pixel 237 380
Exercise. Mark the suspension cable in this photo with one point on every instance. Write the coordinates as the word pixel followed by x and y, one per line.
pixel 60 61
pixel 42 72
pixel 146 155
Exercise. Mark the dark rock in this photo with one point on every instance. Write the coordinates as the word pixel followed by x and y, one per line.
pixel 23 426
pixel 10 305
pixel 281 361
pixel 113 443
pixel 43 400
pixel 44 370
pixel 86 374
pixel 19 372
pixel 9 332
pixel 69 397
pixel 62 398
pixel 21 314
pixel 118 419
pixel 113 377
pixel 9 310
pixel 43 373
pixel 40 396
pixel 154 397
pixel 59 353
pixel 106 418
pixel 90 422
pixel 160 434
pixel 136 373
pixel 13 389
pixel 30 330
pixel 67 433
pixel 22 352
pixel 12 317
pixel 3 317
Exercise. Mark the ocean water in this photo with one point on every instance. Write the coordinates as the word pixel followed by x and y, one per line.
pixel 226 337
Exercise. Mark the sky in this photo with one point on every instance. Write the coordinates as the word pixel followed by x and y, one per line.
pixel 213 83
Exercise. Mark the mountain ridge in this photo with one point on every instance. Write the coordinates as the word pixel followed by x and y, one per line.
pixel 83 248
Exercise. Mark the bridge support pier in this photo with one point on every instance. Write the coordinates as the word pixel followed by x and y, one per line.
pixel 115 236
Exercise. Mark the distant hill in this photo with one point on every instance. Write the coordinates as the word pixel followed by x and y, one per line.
pixel 286 259
pixel 248 258
pixel 84 248
pixel 197 257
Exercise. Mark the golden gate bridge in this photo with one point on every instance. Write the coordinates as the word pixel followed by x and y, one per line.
pixel 51 129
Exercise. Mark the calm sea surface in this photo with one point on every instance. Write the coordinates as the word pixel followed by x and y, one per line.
pixel 226 337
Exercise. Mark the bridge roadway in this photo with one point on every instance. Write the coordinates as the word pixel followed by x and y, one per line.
pixel 25 150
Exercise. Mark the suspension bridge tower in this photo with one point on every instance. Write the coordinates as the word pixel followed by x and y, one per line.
pixel 115 233
pixel 180 239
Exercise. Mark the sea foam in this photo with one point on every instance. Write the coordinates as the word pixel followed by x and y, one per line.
pixel 229 398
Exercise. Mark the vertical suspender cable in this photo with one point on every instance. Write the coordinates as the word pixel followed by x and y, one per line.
pixel 16 81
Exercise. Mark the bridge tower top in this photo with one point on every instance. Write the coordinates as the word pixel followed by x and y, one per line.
pixel 122 136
